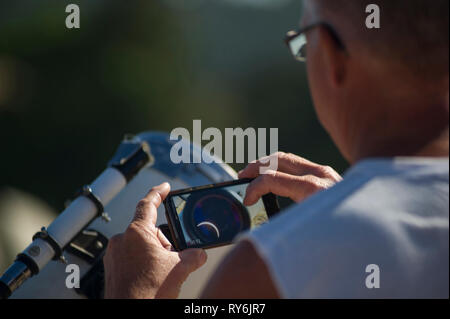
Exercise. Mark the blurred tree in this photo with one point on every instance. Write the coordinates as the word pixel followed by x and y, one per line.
pixel 68 96
pixel 74 93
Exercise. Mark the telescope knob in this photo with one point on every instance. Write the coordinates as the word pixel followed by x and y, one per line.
pixel 105 217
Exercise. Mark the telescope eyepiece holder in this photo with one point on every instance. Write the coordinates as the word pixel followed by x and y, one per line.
pixel 132 155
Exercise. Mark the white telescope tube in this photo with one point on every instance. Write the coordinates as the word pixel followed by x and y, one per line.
pixel 132 155
pixel 76 216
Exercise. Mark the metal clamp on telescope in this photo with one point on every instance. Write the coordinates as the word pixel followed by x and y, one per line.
pixel 132 155
pixel 86 191
pixel 44 235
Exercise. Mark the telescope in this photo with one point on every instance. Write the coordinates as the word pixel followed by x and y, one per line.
pixel 79 235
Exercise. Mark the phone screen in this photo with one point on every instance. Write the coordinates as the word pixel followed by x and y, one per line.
pixel 214 216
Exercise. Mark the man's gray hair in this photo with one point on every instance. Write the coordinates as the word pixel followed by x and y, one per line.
pixel 413 32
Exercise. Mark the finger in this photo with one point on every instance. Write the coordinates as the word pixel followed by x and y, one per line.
pixel 163 240
pixel 287 163
pixel 187 261
pixel 192 259
pixel 295 187
pixel 146 209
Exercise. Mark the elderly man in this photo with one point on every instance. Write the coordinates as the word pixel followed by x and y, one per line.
pixel 382 230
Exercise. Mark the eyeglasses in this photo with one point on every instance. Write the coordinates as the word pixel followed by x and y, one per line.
pixel 296 40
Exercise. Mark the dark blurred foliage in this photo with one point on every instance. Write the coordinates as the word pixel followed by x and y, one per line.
pixel 67 97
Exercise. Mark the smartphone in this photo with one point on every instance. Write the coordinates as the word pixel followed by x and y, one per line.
pixel 212 215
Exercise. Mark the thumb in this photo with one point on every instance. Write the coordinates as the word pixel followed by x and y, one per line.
pixel 192 259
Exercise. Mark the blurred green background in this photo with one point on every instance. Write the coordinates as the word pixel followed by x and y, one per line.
pixel 67 97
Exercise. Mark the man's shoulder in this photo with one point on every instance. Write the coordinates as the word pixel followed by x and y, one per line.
pixel 389 218
pixel 381 190
pixel 379 203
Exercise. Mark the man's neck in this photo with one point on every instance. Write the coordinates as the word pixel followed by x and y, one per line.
pixel 437 148
pixel 427 138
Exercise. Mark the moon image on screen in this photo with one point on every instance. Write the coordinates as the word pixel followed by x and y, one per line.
pixel 210 225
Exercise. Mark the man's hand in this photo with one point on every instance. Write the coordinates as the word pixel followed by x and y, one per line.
pixel 296 178
pixel 140 263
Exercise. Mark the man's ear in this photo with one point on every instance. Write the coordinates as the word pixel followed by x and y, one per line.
pixel 334 57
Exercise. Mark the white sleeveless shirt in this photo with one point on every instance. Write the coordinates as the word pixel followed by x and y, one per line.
pixel 380 233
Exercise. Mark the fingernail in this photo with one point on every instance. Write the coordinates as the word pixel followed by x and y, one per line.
pixel 203 254
pixel 163 186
